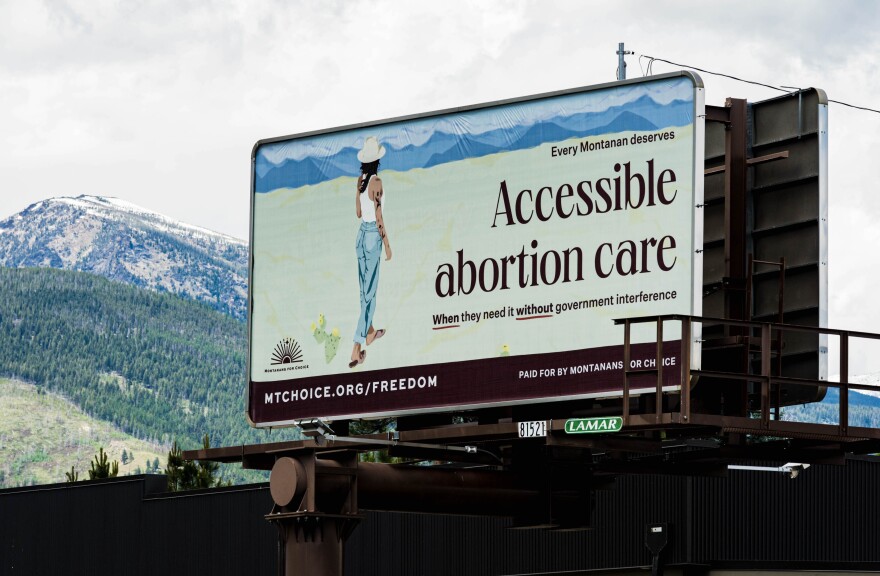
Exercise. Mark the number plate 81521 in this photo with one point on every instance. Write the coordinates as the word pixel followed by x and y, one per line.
pixel 535 429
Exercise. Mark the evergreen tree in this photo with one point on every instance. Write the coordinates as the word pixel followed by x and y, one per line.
pixel 124 456
pixel 207 475
pixel 101 467
pixel 188 474
pixel 181 473
pixel 72 476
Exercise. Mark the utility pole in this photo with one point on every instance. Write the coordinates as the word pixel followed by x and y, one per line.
pixel 621 63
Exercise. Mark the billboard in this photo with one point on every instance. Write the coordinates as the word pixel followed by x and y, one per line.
pixel 473 257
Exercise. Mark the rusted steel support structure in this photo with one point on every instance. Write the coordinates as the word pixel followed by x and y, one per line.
pixel 729 350
pixel 395 488
pixel 315 510
pixel 735 165
pixel 317 499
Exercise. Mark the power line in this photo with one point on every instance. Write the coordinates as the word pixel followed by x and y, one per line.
pixel 652 59
pixel 854 106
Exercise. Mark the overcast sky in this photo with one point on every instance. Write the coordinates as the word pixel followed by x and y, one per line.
pixel 160 103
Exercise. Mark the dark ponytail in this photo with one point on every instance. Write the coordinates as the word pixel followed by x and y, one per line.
pixel 368 169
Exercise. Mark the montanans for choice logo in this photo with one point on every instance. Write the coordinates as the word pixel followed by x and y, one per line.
pixel 287 352
pixel 288 356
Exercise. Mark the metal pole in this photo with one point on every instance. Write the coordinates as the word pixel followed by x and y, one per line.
pixel 626 360
pixel 686 347
pixel 736 140
pixel 843 391
pixel 765 374
pixel 658 400
pixel 621 63
pixel 735 183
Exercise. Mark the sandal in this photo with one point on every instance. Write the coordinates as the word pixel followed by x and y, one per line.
pixel 378 334
pixel 360 360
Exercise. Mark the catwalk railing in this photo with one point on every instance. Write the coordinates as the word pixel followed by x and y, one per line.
pixel 761 342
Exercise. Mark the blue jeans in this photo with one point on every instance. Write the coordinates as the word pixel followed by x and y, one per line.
pixel 369 254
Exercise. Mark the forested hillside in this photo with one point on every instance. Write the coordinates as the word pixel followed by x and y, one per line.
pixel 42 436
pixel 864 410
pixel 158 366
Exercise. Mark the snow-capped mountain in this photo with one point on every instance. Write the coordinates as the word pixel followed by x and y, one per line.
pixel 120 241
pixel 870 380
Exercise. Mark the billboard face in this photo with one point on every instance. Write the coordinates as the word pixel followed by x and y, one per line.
pixel 483 261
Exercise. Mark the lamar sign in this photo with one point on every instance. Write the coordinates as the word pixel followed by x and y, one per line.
pixel 593 425
pixel 474 257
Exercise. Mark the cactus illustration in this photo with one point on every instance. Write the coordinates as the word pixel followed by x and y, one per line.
pixel 331 345
pixel 329 339
pixel 318 330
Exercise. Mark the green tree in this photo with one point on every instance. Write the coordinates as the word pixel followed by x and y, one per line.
pixel 364 427
pixel 124 456
pixel 188 474
pixel 101 467
pixel 72 476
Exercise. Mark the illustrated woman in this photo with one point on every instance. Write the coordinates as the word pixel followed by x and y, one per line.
pixel 372 237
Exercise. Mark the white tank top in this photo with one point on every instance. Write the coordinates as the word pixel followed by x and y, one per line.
pixel 368 208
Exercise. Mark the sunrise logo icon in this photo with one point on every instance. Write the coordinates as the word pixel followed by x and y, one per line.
pixel 287 352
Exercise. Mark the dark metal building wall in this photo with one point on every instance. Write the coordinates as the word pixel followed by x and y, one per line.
pixel 113 527
pixel 391 544
pixel 217 532
pixel 79 530
pixel 827 518
pixel 829 514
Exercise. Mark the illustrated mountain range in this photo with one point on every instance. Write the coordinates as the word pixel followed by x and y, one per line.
pixel 643 114
pixel 123 242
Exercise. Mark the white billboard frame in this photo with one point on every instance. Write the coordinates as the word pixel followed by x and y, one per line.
pixel 696 183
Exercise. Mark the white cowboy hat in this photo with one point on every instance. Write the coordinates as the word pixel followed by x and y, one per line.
pixel 371 151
